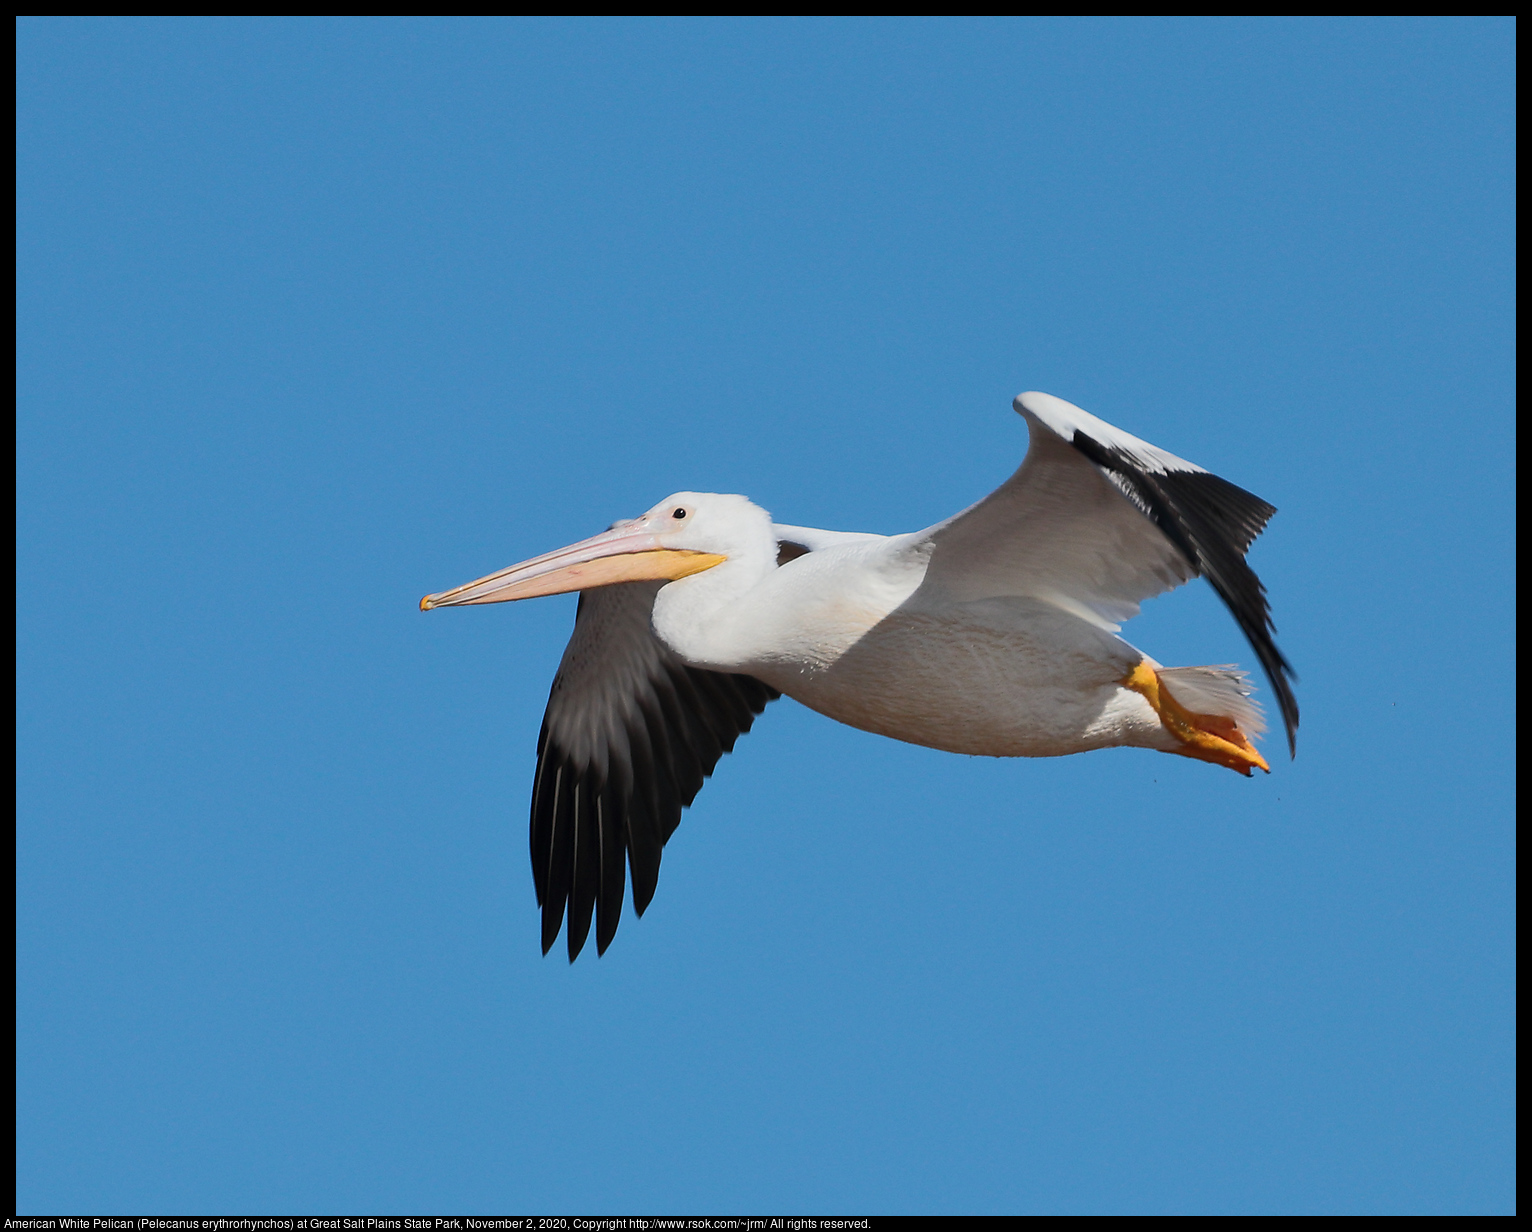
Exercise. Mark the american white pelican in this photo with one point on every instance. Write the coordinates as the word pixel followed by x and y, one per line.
pixel 994 632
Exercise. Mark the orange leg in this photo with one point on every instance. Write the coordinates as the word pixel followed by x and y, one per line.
pixel 1207 737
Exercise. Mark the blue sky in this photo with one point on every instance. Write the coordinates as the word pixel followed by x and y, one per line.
pixel 317 316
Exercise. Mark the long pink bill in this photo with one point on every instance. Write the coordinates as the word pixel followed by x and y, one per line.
pixel 622 554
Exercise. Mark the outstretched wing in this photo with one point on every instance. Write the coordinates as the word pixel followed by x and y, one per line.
pixel 1096 520
pixel 629 735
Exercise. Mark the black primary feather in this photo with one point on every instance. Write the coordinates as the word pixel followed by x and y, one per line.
pixel 591 825
pixel 1212 523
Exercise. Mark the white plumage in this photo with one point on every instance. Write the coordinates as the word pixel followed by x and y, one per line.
pixel 994 632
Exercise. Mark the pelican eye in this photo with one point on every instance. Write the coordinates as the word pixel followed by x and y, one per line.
pixel 679 513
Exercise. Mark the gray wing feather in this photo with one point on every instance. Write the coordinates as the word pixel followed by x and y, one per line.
pixel 629 735
pixel 1096 520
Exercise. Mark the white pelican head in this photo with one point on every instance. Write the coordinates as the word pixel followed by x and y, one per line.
pixel 686 533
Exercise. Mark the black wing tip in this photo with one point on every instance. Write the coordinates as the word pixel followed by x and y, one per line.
pixel 551 925
pixel 591 839
pixel 1212 523
pixel 574 937
pixel 1287 703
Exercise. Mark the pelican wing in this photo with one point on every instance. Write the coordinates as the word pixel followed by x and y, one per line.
pixel 629 735
pixel 1096 520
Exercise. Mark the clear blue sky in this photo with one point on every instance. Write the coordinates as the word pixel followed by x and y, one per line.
pixel 317 316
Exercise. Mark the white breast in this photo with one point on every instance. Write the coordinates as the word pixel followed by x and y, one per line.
pixel 1007 677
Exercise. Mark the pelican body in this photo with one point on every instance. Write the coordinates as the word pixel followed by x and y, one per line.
pixel 995 632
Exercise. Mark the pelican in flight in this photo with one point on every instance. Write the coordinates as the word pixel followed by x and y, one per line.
pixel 993 632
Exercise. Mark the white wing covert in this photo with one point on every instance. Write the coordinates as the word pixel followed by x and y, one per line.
pixel 629 735
pixel 1095 521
